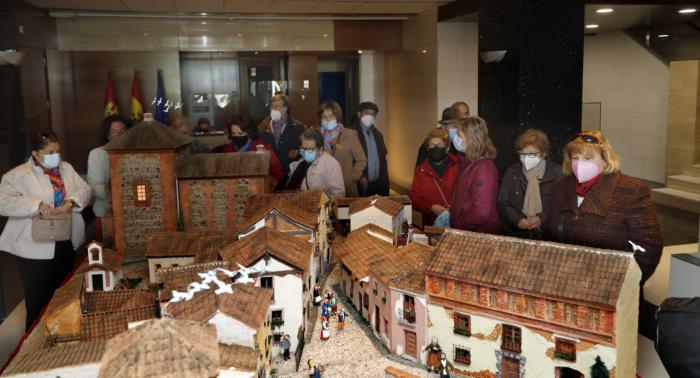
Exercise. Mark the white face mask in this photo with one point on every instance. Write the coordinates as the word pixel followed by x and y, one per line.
pixel 458 143
pixel 276 115
pixel 367 120
pixel 530 162
pixel 51 161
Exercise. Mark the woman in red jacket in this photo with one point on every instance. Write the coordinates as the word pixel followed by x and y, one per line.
pixel 433 179
pixel 244 138
pixel 476 189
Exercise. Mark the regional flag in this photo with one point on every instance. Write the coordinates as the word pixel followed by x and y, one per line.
pixel 161 115
pixel 110 100
pixel 136 103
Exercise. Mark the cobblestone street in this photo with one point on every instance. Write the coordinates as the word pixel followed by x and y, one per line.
pixel 348 353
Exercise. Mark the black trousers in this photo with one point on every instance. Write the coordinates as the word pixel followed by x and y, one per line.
pixel 40 278
pixel 373 187
pixel 286 354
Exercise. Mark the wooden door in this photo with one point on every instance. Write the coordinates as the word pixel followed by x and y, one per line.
pixel 377 319
pixel 511 368
pixel 97 282
pixel 410 343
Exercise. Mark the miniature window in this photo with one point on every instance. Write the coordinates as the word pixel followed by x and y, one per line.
pixel 158 266
pixel 594 318
pixel 277 318
pixel 142 194
pixel 95 254
pixel 462 324
pixel 492 298
pixel 511 338
pixel 463 355
pixel 549 310
pixel 475 294
pixel 174 265
pixel 276 338
pixel 366 297
pixel 266 282
pixel 570 313
pixel 565 350
pixel 512 303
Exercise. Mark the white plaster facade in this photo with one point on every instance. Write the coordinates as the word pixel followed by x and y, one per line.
pixel 231 331
pixel 82 371
pixel 378 218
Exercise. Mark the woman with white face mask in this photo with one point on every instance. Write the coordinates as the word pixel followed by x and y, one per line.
pixel 597 206
pixel 43 186
pixel 526 188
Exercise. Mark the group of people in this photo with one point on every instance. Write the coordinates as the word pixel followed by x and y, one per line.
pixel 329 307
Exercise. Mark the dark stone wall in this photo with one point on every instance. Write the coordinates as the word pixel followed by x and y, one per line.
pixel 538 83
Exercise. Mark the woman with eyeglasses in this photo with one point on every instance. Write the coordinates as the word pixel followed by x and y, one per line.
pixel 43 186
pixel 343 144
pixel 317 169
pixel 526 188
pixel 476 187
pixel 598 206
pixel 433 179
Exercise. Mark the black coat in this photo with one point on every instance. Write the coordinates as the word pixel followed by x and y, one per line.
pixel 382 185
pixel 289 140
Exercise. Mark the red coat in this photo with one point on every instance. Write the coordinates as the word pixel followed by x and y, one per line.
pixel 424 189
pixel 275 166
pixel 474 198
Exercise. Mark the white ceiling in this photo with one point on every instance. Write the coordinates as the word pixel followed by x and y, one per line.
pixel 246 6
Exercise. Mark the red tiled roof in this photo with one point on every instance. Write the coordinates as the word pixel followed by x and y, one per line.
pixel 404 270
pixel 296 214
pixel 182 244
pixel 244 164
pixel 359 250
pixel 177 278
pixel 311 201
pixel 59 356
pixel 385 205
pixel 288 248
pixel 149 136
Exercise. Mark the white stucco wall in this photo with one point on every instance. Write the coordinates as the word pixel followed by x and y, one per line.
pixel 166 262
pixel 232 331
pixel 626 319
pixel 371 215
pixel 83 371
pixel 534 346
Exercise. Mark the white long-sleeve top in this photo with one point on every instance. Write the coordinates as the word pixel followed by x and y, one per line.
pixel 98 178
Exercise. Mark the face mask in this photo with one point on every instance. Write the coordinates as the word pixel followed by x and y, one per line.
pixel 530 162
pixel 309 156
pixel 329 124
pixel 584 170
pixel 437 154
pixel 458 143
pixel 276 115
pixel 240 140
pixel 452 133
pixel 367 121
pixel 51 161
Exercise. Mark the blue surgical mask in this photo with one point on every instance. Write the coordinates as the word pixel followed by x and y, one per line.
pixel 51 161
pixel 329 124
pixel 458 143
pixel 309 156
pixel 452 132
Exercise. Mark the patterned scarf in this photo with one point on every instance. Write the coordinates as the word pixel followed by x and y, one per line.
pixel 278 127
pixel 330 137
pixel 59 188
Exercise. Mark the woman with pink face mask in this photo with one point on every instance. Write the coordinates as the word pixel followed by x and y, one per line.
pixel 597 206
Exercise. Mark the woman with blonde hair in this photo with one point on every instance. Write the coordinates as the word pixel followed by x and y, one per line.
pixel 597 206
pixel 476 188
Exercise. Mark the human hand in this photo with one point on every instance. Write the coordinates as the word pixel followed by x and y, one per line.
pixel 63 208
pixel 364 183
pixel 293 154
pixel 45 210
pixel 524 224
pixel 437 209
pixel 534 222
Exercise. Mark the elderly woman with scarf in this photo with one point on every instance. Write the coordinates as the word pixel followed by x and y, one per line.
pixel 343 144
pixel 526 188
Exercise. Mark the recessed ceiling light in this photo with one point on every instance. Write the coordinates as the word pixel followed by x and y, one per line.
pixel 203 14
pixel 359 51
pixel 325 35
pixel 687 10
pixel 591 26
pixel 424 51
pixel 664 35
pixel 604 10
pixel 204 22
pixel 240 34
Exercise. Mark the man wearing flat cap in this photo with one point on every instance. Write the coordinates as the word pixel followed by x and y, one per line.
pixel 375 178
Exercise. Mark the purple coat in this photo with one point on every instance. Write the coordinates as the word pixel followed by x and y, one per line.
pixel 474 198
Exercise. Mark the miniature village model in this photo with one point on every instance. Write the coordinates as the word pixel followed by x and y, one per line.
pixel 204 273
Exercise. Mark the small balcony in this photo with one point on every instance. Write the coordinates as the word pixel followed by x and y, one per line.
pixel 407 315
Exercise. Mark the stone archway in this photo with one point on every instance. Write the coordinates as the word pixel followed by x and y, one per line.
pixel 567 372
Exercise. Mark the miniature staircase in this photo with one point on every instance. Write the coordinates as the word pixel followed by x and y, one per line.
pixel 681 191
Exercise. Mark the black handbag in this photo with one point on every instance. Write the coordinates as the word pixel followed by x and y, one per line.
pixel 678 336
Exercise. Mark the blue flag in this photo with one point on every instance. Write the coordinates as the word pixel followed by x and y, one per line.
pixel 161 115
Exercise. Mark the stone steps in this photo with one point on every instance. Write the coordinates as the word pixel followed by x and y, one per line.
pixel 684 182
pixel 694 171
pixel 676 198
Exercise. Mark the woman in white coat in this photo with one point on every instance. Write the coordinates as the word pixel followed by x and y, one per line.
pixel 43 185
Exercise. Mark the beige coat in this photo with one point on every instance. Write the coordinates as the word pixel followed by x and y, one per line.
pixel 349 153
pixel 21 191
pixel 324 173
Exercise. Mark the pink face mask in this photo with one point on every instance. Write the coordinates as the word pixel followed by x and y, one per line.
pixel 584 170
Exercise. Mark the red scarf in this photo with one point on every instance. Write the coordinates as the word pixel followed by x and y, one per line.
pixel 583 188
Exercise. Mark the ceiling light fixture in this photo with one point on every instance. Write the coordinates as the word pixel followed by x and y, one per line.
pixel 359 51
pixel 687 10
pixel 604 10
pixel 424 51
pixel 664 35
pixel 592 26
pixel 203 14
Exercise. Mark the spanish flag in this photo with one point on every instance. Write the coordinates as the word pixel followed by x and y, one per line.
pixel 110 100
pixel 136 103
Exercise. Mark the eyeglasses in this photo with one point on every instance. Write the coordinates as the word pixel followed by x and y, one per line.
pixel 588 138
pixel 305 150
pixel 532 155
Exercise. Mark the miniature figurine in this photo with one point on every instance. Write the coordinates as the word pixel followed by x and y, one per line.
pixel 434 351
pixel 285 344
pixel 444 367
pixel 313 371
pixel 325 333
pixel 325 310
pixel 317 295
pixel 334 304
pixel 341 320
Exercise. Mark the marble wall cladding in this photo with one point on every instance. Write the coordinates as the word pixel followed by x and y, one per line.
pixel 683 130
pixel 133 34
pixel 411 95
pixel 538 83
pixel 632 87
pixel 458 64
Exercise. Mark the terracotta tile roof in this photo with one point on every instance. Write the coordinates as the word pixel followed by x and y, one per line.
pixel 359 250
pixel 404 200
pixel 404 270
pixel 339 247
pixel 163 347
pixel 66 294
pixel 239 357
pixel 111 260
pixel 149 136
pixel 285 247
pixel 104 325
pixel 385 205
pixel 296 214
pixel 310 201
pixel 247 303
pixel 178 278
pixel 209 247
pixel 542 268
pixel 115 300
pixel 182 244
pixel 244 164
pixel 59 356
